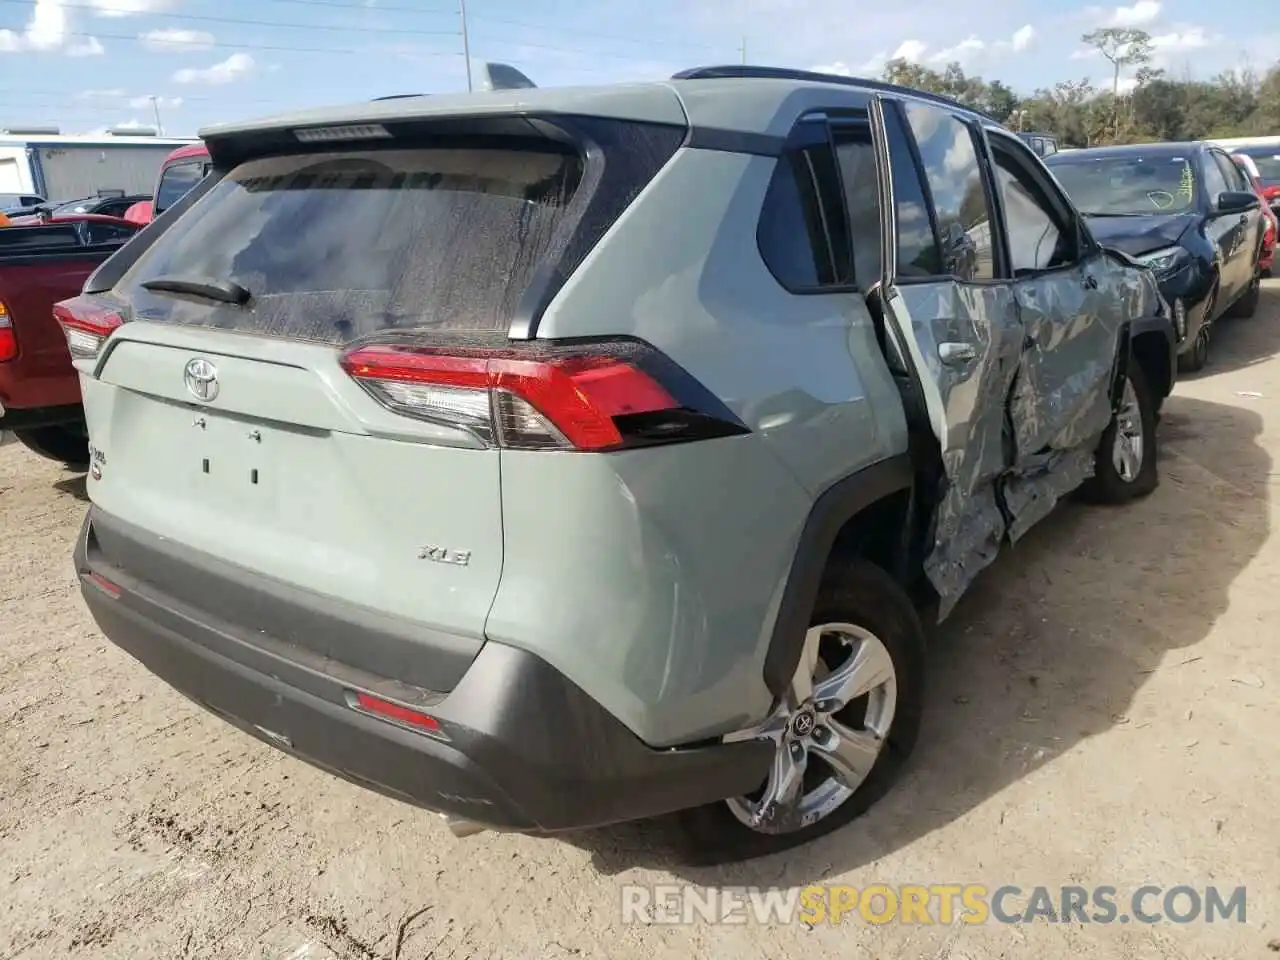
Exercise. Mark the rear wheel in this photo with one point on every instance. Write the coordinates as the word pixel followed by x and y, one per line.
pixel 841 732
pixel 67 445
pixel 1125 462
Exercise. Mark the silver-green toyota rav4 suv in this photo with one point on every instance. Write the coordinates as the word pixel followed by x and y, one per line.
pixel 555 458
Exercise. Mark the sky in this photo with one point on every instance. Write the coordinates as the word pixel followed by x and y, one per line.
pixel 87 65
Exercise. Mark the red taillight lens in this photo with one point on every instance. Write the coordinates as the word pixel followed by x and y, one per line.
pixel 567 401
pixel 8 339
pixel 395 712
pixel 87 323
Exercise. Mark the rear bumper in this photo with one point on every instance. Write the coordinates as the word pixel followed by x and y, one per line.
pixel 521 747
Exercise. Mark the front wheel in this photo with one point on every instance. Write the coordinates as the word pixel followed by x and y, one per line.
pixel 1247 305
pixel 1125 461
pixel 60 443
pixel 840 734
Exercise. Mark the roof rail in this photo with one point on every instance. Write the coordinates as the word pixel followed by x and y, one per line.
pixel 743 71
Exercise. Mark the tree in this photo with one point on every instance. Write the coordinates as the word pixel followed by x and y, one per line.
pixel 1122 47
pixel 1239 102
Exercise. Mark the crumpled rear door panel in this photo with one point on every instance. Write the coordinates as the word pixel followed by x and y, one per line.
pixel 966 397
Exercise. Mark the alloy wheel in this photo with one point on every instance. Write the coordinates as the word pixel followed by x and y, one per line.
pixel 1127 448
pixel 828 731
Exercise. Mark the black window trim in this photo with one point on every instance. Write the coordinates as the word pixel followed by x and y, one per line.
pixel 1207 204
pixel 1059 204
pixel 999 260
pixel 802 134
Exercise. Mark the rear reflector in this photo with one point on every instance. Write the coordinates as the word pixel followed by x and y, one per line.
pixel 395 712
pixel 8 340
pixel 570 401
pixel 103 584
pixel 87 323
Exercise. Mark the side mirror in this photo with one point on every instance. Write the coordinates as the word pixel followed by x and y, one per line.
pixel 1237 201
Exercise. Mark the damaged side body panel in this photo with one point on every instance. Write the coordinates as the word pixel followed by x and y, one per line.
pixel 1018 370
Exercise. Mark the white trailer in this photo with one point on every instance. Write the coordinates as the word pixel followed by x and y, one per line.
pixel 67 167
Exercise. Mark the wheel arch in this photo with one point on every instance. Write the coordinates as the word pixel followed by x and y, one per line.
pixel 864 513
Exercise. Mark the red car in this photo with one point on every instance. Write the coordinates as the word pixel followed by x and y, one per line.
pixel 41 264
pixel 182 170
pixel 1267 255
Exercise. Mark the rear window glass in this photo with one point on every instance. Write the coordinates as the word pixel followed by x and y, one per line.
pixel 336 246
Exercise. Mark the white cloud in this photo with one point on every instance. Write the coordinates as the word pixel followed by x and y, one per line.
pixel 1142 12
pixel 115 93
pixel 1023 37
pixel 911 50
pixel 963 52
pixel 172 38
pixel 126 8
pixel 85 47
pixel 1127 84
pixel 48 31
pixel 870 68
pixel 1085 53
pixel 132 124
pixel 235 67
pixel 1193 38
pixel 163 102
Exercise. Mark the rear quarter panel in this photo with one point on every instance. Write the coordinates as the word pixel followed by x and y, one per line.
pixel 653 578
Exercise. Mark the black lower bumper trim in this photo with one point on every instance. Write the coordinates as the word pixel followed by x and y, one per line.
pixel 527 749
pixel 42 417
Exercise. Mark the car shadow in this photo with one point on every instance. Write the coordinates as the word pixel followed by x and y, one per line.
pixel 1239 343
pixel 1047 650
pixel 76 485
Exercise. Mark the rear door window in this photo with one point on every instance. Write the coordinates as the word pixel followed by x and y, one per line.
pixel 336 246
pixel 949 153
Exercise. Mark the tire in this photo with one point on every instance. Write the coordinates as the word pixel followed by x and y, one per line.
pixel 865 597
pixel 1108 484
pixel 63 444
pixel 1196 360
pixel 1247 305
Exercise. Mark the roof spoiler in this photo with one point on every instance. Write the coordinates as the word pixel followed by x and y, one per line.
pixel 502 76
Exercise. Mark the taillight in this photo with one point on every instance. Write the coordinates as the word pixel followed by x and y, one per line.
pixel 8 339
pixel 87 323
pixel 598 397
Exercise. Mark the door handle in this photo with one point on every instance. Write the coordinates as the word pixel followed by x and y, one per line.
pixel 953 353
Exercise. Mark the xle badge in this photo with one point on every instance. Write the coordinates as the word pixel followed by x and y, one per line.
pixel 459 558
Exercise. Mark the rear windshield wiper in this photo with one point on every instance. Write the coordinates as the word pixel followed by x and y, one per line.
pixel 210 288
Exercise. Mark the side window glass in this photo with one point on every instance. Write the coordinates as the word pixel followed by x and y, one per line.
pixel 1214 182
pixel 857 159
pixel 917 245
pixel 802 233
pixel 952 169
pixel 1039 238
pixel 1234 178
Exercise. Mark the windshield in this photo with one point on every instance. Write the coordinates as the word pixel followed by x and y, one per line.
pixel 1127 185
pixel 75 206
pixel 1267 160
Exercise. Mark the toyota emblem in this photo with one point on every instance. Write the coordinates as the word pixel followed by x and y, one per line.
pixel 201 378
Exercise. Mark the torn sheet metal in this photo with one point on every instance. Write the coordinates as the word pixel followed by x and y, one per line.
pixel 1021 406
pixel 979 328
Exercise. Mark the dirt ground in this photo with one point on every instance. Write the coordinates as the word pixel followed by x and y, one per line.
pixel 1103 710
